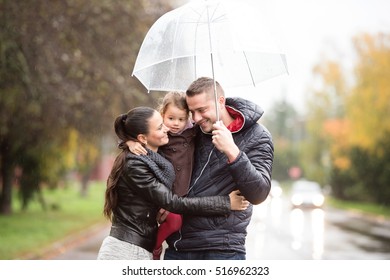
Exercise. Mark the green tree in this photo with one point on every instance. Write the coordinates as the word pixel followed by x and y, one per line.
pixel 325 108
pixel 368 109
pixel 65 67
pixel 286 128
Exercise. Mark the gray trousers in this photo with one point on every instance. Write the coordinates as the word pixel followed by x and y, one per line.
pixel 115 249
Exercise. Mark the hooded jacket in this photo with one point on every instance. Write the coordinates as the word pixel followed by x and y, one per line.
pixel 213 175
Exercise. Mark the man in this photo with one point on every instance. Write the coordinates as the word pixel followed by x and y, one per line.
pixel 234 153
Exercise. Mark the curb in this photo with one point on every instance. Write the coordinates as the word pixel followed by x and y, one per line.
pixel 65 244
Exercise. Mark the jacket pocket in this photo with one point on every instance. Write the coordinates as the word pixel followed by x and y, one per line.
pixel 219 221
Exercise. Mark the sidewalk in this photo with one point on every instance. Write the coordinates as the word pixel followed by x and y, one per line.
pixel 82 246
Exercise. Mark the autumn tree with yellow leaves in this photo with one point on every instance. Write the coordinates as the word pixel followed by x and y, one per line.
pixel 348 125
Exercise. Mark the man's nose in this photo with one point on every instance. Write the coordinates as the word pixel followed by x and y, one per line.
pixel 196 117
pixel 166 129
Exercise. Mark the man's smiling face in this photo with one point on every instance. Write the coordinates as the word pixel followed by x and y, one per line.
pixel 202 107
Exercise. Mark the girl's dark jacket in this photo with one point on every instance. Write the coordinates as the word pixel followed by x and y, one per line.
pixel 213 175
pixel 180 152
pixel 144 188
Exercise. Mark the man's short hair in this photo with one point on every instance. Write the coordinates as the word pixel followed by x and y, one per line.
pixel 204 84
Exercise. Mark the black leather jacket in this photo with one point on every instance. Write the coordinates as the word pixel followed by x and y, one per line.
pixel 141 195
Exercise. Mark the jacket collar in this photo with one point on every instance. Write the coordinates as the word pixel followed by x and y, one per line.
pixel 250 111
pixel 239 120
pixel 244 112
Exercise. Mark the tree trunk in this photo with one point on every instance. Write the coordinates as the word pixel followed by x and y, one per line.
pixel 7 176
pixel 84 184
pixel 41 199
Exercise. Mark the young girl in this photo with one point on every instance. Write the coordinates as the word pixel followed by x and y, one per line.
pixel 179 151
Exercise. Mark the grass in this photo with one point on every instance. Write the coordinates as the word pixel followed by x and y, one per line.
pixel 30 232
pixel 364 208
pixel 360 207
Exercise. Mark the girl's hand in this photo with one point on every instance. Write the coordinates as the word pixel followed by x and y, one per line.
pixel 237 201
pixel 136 148
pixel 162 215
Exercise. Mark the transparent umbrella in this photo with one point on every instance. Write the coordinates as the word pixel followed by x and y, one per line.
pixel 228 40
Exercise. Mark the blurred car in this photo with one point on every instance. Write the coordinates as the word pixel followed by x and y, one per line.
pixel 307 194
pixel 276 189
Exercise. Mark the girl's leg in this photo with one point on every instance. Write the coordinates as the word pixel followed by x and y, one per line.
pixel 172 224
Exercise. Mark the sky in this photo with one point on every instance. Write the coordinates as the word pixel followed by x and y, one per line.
pixel 311 29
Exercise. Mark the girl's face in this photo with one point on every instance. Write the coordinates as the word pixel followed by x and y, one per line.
pixel 157 135
pixel 175 119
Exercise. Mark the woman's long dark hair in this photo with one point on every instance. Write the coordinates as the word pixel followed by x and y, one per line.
pixel 127 127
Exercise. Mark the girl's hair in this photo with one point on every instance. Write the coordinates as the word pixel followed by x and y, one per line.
pixel 177 99
pixel 127 127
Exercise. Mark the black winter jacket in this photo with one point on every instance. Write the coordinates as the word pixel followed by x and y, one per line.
pixel 213 175
pixel 141 194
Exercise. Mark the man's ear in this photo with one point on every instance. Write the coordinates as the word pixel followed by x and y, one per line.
pixel 142 139
pixel 221 102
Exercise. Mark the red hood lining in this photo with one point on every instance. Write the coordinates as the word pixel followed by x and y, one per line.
pixel 238 121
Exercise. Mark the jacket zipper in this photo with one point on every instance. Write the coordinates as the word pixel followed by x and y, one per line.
pixel 189 190
pixel 174 244
pixel 201 172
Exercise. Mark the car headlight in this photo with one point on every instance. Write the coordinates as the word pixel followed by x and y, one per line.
pixel 276 191
pixel 318 200
pixel 296 199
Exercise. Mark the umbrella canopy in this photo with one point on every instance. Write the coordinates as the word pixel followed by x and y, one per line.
pixel 227 40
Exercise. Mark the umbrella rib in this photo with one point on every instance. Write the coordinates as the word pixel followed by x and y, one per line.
pixel 249 68
pixel 176 29
pixel 283 57
pixel 196 33
pixel 215 10
pixel 159 62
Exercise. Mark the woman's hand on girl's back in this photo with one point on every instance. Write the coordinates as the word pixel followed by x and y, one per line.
pixel 136 148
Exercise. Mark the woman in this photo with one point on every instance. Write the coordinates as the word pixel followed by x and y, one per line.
pixel 139 186
pixel 179 151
